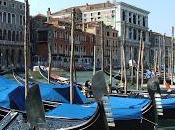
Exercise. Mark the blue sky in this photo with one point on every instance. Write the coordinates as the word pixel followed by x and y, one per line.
pixel 161 18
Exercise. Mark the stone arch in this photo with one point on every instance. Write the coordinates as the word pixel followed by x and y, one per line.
pixel 17 36
pixel 4 35
pixel 20 57
pixel 7 57
pixel 0 34
pixel 20 36
pixel 13 35
pixel 9 35
pixel 4 17
pixel 13 56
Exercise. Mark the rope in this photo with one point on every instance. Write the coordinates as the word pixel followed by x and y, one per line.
pixel 149 121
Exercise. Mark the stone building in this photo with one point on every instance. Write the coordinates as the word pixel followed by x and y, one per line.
pixel 36 22
pixel 57 33
pixel 11 33
pixel 122 17
pixel 110 37
pixel 159 47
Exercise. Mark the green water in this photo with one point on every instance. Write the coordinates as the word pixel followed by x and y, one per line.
pixel 83 76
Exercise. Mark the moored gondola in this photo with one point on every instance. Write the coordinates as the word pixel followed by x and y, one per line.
pixel 56 122
pixel 53 78
pixel 117 76
pixel 58 116
pixel 6 71
pixel 145 121
pixel 126 114
pixel 168 103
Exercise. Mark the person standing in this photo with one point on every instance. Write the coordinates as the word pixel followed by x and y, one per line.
pixel 168 85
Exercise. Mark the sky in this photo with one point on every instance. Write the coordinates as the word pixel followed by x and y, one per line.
pixel 161 17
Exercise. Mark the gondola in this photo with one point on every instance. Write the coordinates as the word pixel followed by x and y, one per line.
pixel 136 92
pixel 144 110
pixel 161 80
pixel 58 115
pixel 53 78
pixel 118 77
pixel 131 113
pixel 6 71
pixel 168 103
pixel 66 122
pixel 60 92
pixel 44 74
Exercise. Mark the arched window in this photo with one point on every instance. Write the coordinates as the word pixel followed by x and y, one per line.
pixel 12 55
pixel 20 20
pixel 20 36
pixel 144 36
pixel 4 17
pixel 0 34
pixel 123 15
pixel 9 18
pixel 134 34
pixel 13 19
pixel 4 35
pixel 13 36
pixel 20 56
pixel 0 16
pixel 17 36
pixel 134 18
pixel 9 35
pixel 7 57
pixel 144 23
pixel 23 20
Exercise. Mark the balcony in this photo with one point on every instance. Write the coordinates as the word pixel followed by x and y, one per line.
pixel 5 42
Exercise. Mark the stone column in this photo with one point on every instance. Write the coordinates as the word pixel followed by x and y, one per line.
pixel 131 17
pixel 127 32
pixel 136 19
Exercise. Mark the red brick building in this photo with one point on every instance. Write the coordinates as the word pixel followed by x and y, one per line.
pixel 57 33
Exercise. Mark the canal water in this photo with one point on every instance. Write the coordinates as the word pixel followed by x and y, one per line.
pixel 82 76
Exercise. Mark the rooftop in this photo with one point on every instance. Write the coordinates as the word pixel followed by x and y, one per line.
pixel 90 7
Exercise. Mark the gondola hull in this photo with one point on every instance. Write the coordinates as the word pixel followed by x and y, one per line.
pixel 94 123
pixel 118 77
pixel 53 80
pixel 146 122
pixel 141 123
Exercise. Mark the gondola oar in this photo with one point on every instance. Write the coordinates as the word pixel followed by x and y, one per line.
pixel 99 89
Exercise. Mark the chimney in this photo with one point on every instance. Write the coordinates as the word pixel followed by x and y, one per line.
pixel 48 14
